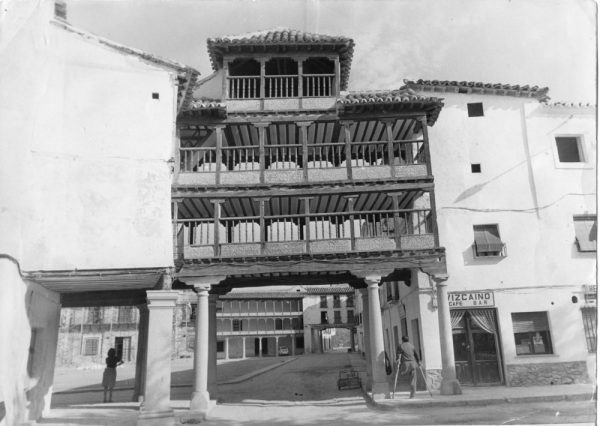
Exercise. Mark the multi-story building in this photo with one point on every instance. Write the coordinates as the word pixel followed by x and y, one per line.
pixel 515 193
pixel 257 322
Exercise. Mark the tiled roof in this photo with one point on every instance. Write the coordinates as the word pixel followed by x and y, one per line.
pixel 539 93
pixel 264 295
pixel 278 40
pixel 401 97
pixel 569 105
pixel 343 289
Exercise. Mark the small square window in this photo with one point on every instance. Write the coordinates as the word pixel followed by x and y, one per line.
pixel 532 333
pixel 487 241
pixel 475 109
pixel 475 168
pixel 586 230
pixel 155 95
pixel 220 346
pixel 90 346
pixel 569 149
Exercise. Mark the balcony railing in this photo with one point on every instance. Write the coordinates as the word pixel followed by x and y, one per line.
pixel 281 86
pixel 316 232
pixel 369 159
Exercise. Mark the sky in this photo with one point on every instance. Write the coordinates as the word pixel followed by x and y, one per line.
pixel 536 42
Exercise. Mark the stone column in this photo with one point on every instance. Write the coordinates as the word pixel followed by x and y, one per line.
pixel 293 339
pixel 367 336
pixel 260 347
pixel 156 408
pixel 380 386
pixel 352 343
pixel 226 344
pixel 142 349
pixel 243 348
pixel 200 402
pixel 449 385
pixel 320 341
pixel 276 346
pixel 212 345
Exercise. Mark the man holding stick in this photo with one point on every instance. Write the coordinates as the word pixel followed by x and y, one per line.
pixel 409 362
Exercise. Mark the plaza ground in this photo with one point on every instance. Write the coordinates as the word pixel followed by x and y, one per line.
pixel 303 391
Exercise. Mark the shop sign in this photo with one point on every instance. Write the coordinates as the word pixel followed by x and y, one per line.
pixel 471 299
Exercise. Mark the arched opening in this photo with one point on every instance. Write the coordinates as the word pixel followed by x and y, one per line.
pixel 318 77
pixel 281 78
pixel 244 79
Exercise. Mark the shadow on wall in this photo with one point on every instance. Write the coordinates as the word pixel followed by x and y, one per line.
pixel 470 260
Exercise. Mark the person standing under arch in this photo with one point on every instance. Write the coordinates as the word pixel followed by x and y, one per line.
pixel 109 378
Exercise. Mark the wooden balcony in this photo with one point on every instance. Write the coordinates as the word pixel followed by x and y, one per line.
pixel 298 163
pixel 271 235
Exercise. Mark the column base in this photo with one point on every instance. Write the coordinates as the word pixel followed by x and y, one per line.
pixel 200 402
pixel 380 391
pixel 450 387
pixel 156 418
pixel 198 413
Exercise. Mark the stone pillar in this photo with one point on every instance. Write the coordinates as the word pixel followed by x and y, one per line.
pixel 352 343
pixel 243 348
pixel 276 346
pixel 380 387
pixel 142 349
pixel 200 402
pixel 449 385
pixel 293 339
pixel 260 347
pixel 320 341
pixel 226 344
pixel 367 336
pixel 156 408
pixel 212 345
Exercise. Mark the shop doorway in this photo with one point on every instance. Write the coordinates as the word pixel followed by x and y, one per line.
pixel 476 346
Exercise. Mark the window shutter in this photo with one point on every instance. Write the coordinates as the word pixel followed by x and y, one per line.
pixel 487 239
pixel 530 322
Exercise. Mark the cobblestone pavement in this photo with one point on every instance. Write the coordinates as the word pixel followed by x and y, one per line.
pixel 304 392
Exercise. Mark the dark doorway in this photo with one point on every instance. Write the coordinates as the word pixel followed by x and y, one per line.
pixel 123 348
pixel 476 347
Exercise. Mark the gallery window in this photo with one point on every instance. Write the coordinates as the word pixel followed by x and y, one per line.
pixel 569 149
pixel 532 333
pixel 487 241
pixel 237 325
pixel 220 346
pixel 323 302
pixel 586 232
pixel 90 346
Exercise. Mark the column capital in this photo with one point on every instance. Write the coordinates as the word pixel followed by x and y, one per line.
pixel 217 200
pixel 161 298
pixel 304 123
pixel 262 124
pixel 440 279
pixel 373 280
pixel 203 283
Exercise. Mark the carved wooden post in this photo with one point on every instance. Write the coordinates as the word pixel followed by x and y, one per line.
pixel 423 121
pixel 262 128
pixel 307 232
pixel 347 140
pixel 218 159
pixel 304 140
pixel 390 147
pixel 351 199
pixel 217 225
pixel 397 222
pixel 263 230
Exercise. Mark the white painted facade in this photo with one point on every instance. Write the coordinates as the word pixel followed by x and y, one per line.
pixel 85 179
pixel 532 197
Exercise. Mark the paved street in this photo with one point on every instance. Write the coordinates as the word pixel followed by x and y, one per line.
pixel 304 392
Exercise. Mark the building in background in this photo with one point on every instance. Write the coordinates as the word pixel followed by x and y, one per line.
pixel 516 194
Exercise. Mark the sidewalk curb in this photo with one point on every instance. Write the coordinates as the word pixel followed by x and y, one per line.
pixel 257 372
pixel 475 402
pixel 228 382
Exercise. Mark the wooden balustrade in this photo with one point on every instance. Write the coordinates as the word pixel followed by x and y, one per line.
pixel 289 156
pixel 281 86
pixel 318 85
pixel 323 226
pixel 244 87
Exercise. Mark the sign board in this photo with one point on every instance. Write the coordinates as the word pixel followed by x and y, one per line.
pixel 471 299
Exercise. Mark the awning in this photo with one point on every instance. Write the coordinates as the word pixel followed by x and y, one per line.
pixel 487 240
pixel 585 232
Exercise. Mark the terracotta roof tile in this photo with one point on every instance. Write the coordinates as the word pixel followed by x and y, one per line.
pixel 569 105
pixel 283 37
pixel 539 93
pixel 345 289
pixel 404 97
